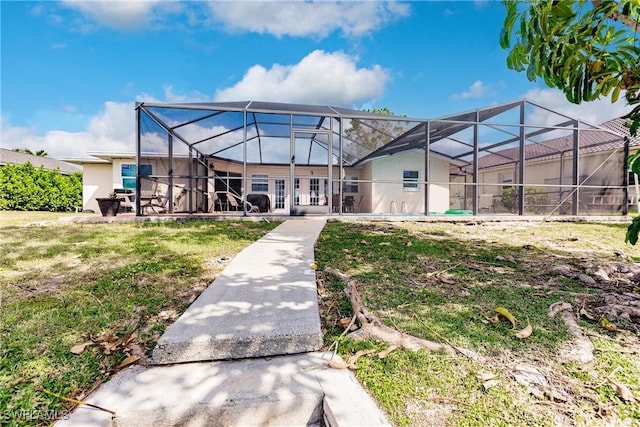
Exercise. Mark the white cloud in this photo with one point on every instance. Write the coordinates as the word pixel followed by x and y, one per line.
pixel 316 18
pixel 594 112
pixel 112 129
pixel 477 90
pixel 319 78
pixel 121 15
pixel 301 19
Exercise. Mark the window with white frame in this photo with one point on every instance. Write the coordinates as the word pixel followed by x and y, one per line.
pixel 259 182
pixel 410 180
pixel 350 184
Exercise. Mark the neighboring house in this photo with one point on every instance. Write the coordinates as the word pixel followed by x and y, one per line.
pixel 102 173
pixel 309 159
pixel 47 163
pixel 556 180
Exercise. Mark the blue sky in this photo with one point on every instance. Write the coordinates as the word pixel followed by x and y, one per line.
pixel 71 71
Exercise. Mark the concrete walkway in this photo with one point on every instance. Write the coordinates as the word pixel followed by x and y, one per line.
pixel 264 303
pixel 243 354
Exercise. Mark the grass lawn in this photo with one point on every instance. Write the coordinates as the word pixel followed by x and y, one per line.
pixel 116 287
pixel 442 282
pixel 113 286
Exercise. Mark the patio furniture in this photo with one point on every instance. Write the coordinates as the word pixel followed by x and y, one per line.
pixel 261 201
pixel 127 199
pixel 227 201
pixel 348 204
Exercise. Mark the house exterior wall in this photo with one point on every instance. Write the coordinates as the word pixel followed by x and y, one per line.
pixel 598 169
pixel 97 181
pixel 389 195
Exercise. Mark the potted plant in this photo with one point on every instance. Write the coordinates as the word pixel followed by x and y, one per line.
pixel 109 206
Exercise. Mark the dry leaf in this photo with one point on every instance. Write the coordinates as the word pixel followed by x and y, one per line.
pixel 495 319
pixel 128 361
pixel 384 353
pixel 344 322
pixel 77 349
pixel 384 244
pixel 524 333
pixel 507 315
pixel 604 322
pixel 586 314
pixel 351 362
pixel 364 242
pixel 623 391
pixel 408 244
pixel 105 338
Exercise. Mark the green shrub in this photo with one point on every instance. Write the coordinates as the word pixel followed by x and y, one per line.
pixel 533 196
pixel 25 188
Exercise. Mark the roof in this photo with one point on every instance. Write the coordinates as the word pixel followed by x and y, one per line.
pixel 218 130
pixel 47 163
pixel 497 126
pixel 591 142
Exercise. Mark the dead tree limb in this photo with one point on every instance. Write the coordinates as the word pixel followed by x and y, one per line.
pixel 372 328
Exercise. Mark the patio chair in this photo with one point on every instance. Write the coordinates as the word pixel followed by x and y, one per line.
pixel 148 189
pixel 127 199
pixel 348 204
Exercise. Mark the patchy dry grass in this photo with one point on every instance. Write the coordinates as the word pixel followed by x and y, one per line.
pixel 118 285
pixel 441 281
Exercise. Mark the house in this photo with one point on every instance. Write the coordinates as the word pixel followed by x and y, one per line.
pixel 47 163
pixel 295 159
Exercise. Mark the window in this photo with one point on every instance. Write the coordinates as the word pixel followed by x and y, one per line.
pixel 259 182
pixel 409 180
pixel 506 179
pixel 128 173
pixel 350 184
pixel 314 189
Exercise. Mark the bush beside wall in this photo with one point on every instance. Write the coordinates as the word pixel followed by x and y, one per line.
pixel 25 188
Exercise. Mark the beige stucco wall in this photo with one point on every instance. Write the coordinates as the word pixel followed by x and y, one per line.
pixel 388 194
pixel 97 181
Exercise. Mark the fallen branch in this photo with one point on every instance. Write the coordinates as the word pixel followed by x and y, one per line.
pixel 466 353
pixel 372 328
pixel 80 402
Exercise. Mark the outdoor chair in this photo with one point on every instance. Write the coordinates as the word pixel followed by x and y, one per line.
pixel 147 193
pixel 348 204
pixel 228 201
pixel 127 199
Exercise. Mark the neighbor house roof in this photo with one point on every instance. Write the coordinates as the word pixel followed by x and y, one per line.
pixel 47 163
pixel 591 141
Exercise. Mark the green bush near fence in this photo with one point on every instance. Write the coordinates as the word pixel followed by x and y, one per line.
pixel 533 196
pixel 25 188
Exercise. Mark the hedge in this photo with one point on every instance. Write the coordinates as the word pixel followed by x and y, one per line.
pixel 25 188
